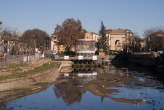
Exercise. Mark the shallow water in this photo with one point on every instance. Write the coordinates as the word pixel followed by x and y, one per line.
pixel 110 89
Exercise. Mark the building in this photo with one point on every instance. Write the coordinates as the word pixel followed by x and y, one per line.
pixel 11 45
pixel 92 36
pixel 54 43
pixel 85 47
pixel 55 46
pixel 96 36
pixel 119 38
pixel 161 35
pixel 155 41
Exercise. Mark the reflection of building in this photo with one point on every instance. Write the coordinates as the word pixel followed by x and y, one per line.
pixel 118 38
pixel 85 47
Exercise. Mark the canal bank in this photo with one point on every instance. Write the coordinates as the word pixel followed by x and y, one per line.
pixel 141 62
pixel 26 83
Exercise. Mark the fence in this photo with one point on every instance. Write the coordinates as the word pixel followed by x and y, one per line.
pixel 9 59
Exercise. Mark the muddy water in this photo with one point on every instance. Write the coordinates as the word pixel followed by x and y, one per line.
pixel 110 89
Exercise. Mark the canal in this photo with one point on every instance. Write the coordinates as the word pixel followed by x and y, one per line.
pixel 108 89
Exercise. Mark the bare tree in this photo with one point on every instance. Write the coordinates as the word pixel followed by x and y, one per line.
pixel 34 38
pixel 137 46
pixel 133 43
pixel 148 32
pixel 153 39
pixel 10 42
pixel 69 32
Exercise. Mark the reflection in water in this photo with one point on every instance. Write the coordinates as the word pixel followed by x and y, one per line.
pixel 72 89
pixel 110 89
pixel 69 91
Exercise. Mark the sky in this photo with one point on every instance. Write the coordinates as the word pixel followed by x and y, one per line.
pixel 137 15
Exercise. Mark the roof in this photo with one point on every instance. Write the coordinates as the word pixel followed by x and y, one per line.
pixel 117 31
pixel 159 33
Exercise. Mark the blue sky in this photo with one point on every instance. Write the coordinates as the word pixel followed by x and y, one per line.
pixel 137 15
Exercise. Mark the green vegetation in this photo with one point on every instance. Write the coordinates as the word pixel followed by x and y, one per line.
pixel 42 68
pixel 103 41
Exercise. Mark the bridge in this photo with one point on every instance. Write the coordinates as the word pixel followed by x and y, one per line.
pixel 75 58
pixel 85 60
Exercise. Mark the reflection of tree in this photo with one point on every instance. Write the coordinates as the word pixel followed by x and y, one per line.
pixel 69 91
pixel 100 88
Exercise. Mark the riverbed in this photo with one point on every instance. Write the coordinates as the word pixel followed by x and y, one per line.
pixel 110 88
